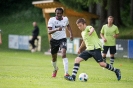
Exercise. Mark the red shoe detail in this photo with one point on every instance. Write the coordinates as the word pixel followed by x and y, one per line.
pixel 54 73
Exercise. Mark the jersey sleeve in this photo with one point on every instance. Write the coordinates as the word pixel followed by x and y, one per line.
pixel 102 30
pixel 117 31
pixel 88 28
pixel 50 23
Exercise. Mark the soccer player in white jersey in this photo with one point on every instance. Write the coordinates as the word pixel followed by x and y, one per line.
pixel 57 28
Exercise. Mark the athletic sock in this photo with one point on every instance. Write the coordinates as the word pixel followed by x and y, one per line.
pixel 75 69
pixel 112 60
pixel 110 67
pixel 54 65
pixel 65 63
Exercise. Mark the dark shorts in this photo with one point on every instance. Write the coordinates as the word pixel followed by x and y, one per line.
pixel 112 49
pixel 96 54
pixel 56 44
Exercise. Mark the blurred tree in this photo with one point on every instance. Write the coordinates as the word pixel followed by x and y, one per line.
pixel 114 10
pixel 103 8
pixel 8 7
pixel 103 13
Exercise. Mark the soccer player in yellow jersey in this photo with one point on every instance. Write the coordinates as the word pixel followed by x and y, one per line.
pixel 109 33
pixel 93 49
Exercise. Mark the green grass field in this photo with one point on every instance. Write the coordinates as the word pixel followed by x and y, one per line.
pixel 23 69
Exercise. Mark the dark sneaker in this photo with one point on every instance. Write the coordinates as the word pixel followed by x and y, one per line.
pixel 118 74
pixel 69 78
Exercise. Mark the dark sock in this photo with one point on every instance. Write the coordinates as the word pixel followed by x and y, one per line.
pixel 112 60
pixel 110 67
pixel 75 70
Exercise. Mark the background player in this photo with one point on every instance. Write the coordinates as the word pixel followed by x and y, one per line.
pixel 109 33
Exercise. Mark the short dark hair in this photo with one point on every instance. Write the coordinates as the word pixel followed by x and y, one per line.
pixel 59 8
pixel 81 20
pixel 111 17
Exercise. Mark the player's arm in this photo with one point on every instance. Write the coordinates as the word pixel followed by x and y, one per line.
pixel 70 31
pixel 91 31
pixel 116 35
pixel 102 36
pixel 50 31
pixel 81 47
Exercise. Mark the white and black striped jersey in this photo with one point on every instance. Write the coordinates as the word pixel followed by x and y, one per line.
pixel 54 23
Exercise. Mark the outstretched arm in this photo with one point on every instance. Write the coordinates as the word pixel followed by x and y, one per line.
pixel 70 32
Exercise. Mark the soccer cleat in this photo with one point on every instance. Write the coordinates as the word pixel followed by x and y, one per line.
pixel 118 74
pixel 55 72
pixel 69 78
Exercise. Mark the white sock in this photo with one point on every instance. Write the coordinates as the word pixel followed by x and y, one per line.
pixel 65 63
pixel 54 65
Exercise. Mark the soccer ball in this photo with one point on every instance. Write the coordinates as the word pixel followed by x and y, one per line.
pixel 83 77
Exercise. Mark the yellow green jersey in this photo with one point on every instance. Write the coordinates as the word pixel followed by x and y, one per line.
pixel 91 41
pixel 108 33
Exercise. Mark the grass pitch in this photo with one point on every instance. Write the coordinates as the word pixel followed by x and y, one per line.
pixel 23 69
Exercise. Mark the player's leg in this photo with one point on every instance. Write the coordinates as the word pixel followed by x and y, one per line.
pixel 32 44
pixel 105 52
pixel 112 52
pixel 98 57
pixel 111 68
pixel 75 69
pixel 54 50
pixel 83 56
pixel 54 64
pixel 65 61
pixel 63 46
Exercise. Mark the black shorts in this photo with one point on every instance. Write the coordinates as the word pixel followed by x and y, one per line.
pixel 112 49
pixel 96 54
pixel 56 44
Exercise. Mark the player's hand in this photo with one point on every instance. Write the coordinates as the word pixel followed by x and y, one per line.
pixel 104 40
pixel 79 51
pixel 59 29
pixel 71 38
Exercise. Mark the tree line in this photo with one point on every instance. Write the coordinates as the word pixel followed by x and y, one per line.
pixel 121 10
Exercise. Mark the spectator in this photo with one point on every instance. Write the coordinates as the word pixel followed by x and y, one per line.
pixel 35 34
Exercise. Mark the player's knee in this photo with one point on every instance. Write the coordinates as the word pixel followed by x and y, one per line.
pixel 78 60
pixel 102 64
